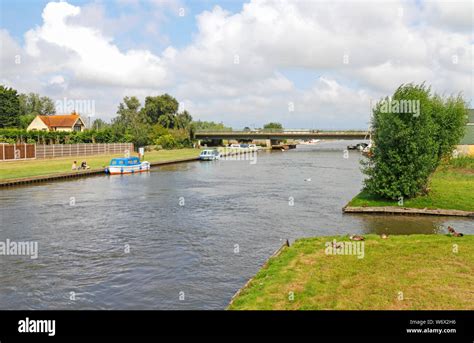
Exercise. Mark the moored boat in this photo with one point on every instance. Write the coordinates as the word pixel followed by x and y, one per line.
pixel 127 165
pixel 310 142
pixel 209 155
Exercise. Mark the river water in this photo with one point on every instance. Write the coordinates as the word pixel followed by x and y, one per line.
pixel 183 236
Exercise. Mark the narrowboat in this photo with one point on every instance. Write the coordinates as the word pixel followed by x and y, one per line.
pixel 127 165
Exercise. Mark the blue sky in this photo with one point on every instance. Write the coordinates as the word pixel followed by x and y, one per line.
pixel 178 29
pixel 303 63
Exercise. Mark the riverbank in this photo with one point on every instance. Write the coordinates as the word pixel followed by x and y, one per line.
pixel 451 188
pixel 53 169
pixel 409 272
pixel 11 171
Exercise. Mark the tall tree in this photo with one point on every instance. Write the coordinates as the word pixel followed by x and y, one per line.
pixel 34 104
pixel 23 100
pixel 128 108
pixel 131 120
pixel 162 109
pixel 47 106
pixel 9 107
pixel 183 120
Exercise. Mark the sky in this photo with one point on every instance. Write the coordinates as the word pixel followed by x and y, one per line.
pixel 304 63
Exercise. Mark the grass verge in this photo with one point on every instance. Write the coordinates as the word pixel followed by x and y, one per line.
pixel 451 187
pixel 21 169
pixel 407 272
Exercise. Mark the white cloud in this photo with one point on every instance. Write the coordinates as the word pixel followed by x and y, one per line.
pixel 454 15
pixel 386 45
pixel 93 57
pixel 233 68
pixel 56 80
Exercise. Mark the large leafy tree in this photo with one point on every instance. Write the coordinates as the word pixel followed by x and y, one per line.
pixel 131 121
pixel 9 107
pixel 47 106
pixel 128 110
pixel 33 104
pixel 408 145
pixel 183 120
pixel 162 109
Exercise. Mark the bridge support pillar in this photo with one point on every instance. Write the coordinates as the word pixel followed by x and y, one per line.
pixel 268 143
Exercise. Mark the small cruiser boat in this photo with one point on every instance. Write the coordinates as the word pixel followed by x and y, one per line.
pixel 253 147
pixel 358 146
pixel 311 142
pixel 127 165
pixel 209 155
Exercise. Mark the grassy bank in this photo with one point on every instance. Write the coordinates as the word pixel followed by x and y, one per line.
pixel 20 169
pixel 423 267
pixel 451 187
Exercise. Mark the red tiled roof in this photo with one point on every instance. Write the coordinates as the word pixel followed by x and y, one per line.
pixel 60 120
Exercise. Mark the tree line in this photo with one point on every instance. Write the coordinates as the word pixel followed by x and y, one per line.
pixel 156 122
pixel 18 110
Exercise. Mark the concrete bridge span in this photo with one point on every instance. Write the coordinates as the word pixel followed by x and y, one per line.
pixel 281 135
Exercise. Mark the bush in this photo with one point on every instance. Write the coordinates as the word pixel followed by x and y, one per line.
pixel 167 142
pixel 170 138
pixel 409 145
pixel 7 140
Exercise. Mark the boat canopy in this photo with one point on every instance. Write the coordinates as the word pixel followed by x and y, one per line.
pixel 125 161
pixel 209 152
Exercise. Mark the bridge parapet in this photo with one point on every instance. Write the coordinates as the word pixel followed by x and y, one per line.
pixel 282 134
pixel 295 131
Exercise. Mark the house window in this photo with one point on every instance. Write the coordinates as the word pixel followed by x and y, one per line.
pixel 77 127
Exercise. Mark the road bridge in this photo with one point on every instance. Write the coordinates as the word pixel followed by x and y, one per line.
pixel 277 135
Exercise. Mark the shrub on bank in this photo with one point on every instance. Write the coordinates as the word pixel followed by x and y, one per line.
pixel 410 142
pixel 166 142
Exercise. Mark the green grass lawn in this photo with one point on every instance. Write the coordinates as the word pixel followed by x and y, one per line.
pixel 424 268
pixel 451 187
pixel 19 169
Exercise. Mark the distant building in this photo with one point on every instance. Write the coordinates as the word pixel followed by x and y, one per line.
pixel 466 146
pixel 62 122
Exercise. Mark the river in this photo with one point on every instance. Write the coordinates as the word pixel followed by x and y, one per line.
pixel 184 236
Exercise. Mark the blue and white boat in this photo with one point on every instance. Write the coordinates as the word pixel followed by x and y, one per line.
pixel 209 155
pixel 127 165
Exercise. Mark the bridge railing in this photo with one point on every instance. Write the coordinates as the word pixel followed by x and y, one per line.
pixel 288 131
